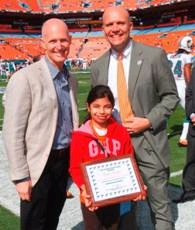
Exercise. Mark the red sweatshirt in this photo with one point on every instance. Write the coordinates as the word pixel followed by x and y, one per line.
pixel 84 148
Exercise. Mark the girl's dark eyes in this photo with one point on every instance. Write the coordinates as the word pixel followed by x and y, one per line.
pixel 105 107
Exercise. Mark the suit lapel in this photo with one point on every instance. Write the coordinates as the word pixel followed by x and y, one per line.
pixel 135 66
pixel 75 117
pixel 104 67
pixel 46 79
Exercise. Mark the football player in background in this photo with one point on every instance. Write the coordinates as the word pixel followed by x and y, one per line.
pixel 181 64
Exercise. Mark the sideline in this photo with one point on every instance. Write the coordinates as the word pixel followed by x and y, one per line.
pixel 177 173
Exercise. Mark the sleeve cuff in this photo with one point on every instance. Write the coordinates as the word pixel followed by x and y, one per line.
pixel 21 180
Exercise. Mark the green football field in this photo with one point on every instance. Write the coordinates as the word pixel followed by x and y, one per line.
pixel 9 221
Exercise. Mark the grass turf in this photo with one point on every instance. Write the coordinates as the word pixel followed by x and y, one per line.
pixel 9 221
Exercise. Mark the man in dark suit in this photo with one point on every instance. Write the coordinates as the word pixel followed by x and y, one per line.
pixel 189 169
pixel 153 96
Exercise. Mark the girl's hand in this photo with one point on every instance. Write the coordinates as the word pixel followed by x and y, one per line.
pixel 87 199
pixel 142 196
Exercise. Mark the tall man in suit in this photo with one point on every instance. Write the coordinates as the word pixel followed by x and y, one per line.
pixel 153 96
pixel 40 113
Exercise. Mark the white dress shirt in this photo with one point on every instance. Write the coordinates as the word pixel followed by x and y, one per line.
pixel 112 70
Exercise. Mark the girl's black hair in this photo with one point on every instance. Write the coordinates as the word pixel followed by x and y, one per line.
pixel 100 91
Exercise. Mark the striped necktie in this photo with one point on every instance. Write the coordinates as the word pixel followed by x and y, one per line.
pixel 123 99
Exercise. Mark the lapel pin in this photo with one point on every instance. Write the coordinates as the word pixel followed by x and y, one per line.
pixel 139 62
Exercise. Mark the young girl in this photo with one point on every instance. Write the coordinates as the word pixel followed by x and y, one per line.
pixel 99 137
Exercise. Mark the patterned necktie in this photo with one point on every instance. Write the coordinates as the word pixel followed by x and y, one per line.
pixel 123 99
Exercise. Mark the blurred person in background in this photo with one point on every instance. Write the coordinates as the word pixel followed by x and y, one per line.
pixel 181 64
pixel 188 180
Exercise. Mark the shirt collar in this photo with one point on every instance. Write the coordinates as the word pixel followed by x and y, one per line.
pixel 52 68
pixel 126 51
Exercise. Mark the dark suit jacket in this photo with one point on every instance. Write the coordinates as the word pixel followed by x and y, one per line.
pixel 152 92
pixel 190 100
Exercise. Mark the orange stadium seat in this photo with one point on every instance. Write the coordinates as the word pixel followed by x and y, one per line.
pixel 20 5
pixel 167 41
pixel 148 3
pixel 61 6
pixel 18 48
pixel 9 5
pixel 32 5
pixel 130 4
pixel 48 6
pixel 91 49
pixel 8 52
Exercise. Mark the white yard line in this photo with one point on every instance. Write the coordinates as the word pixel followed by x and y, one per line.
pixel 82 109
pixel 177 173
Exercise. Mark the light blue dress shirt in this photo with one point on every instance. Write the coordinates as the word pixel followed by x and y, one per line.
pixel 64 123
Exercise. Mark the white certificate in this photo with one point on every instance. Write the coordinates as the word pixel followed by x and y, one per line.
pixel 113 180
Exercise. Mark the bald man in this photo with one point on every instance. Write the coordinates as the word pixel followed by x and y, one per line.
pixel 153 96
pixel 40 114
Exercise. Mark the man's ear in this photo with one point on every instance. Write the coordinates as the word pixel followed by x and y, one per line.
pixel 70 38
pixel 42 44
pixel 131 26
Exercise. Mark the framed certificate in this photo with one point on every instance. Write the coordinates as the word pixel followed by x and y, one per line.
pixel 112 180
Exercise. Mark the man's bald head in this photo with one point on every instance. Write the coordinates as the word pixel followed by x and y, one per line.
pixel 112 9
pixel 52 23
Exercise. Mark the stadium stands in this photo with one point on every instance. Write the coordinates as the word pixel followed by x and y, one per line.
pixel 166 40
pixel 20 6
pixel 61 6
pixel 90 47
pixel 9 5
pixel 22 41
